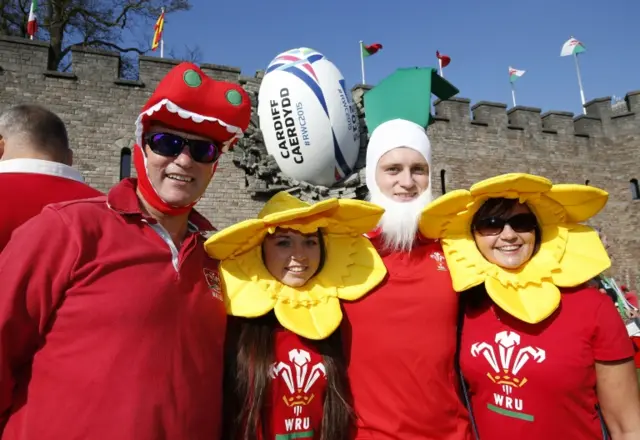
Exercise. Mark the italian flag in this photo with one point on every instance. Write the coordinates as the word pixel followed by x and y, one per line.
pixel 32 24
pixel 371 49
pixel 572 47
pixel 514 74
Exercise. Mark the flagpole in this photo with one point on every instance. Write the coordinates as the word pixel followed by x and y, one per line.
pixel 362 61
pixel 513 93
pixel 162 34
pixel 440 66
pixel 575 58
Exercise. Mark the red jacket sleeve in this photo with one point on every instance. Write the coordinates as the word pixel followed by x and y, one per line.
pixel 610 341
pixel 35 269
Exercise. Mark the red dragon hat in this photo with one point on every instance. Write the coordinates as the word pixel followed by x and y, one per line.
pixel 188 100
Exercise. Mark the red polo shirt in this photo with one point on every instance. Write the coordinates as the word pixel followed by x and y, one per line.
pixel 401 342
pixel 28 185
pixel 107 331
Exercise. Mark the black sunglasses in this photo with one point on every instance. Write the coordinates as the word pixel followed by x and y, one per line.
pixel 171 145
pixel 495 225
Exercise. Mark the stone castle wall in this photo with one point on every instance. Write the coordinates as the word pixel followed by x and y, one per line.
pixel 469 143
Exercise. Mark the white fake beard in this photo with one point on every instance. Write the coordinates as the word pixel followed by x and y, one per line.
pixel 399 223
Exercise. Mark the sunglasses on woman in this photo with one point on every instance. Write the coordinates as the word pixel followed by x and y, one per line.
pixel 494 225
pixel 171 145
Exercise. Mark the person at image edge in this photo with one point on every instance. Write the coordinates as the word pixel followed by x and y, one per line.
pixel 111 315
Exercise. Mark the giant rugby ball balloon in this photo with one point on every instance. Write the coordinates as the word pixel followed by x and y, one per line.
pixel 307 117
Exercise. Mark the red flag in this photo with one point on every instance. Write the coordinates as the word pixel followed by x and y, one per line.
pixel 444 59
pixel 370 49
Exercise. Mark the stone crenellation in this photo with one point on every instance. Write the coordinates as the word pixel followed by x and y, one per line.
pixel 469 142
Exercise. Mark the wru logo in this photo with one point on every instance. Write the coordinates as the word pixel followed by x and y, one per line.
pixel 300 382
pixel 506 369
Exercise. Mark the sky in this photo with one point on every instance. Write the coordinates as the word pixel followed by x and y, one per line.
pixel 482 38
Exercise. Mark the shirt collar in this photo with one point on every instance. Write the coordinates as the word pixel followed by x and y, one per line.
pixel 123 199
pixel 39 166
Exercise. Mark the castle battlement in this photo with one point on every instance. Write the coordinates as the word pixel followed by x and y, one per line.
pixel 470 141
pixel 599 120
pixel 31 58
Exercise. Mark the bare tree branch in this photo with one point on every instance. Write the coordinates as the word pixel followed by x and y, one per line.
pixel 191 54
pixel 13 17
pixel 119 22
pixel 90 23
pixel 106 44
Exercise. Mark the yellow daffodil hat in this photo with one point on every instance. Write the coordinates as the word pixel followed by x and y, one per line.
pixel 352 266
pixel 570 253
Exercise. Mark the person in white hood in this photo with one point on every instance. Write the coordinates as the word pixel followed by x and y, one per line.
pixel 400 339
pixel 399 179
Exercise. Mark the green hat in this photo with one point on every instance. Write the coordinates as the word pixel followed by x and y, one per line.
pixel 406 94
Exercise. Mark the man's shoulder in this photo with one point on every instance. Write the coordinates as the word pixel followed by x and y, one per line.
pixel 27 195
pixel 44 186
pixel 76 191
pixel 82 211
pixel 81 187
pixel 69 220
pixel 97 203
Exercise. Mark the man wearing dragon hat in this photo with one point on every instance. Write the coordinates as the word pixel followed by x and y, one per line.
pixel 111 317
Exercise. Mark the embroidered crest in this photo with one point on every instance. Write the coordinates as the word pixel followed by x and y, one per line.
pixel 213 281
pixel 440 260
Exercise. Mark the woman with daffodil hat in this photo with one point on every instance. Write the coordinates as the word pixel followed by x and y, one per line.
pixel 540 351
pixel 283 276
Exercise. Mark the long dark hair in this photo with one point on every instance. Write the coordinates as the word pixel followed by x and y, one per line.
pixel 248 359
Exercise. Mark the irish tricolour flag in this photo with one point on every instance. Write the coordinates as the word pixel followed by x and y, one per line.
pixel 572 47
pixel 514 74
pixel 32 24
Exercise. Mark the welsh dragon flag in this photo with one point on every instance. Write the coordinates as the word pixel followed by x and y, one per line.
pixel 514 74
pixel 572 47
pixel 370 49
pixel 32 24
